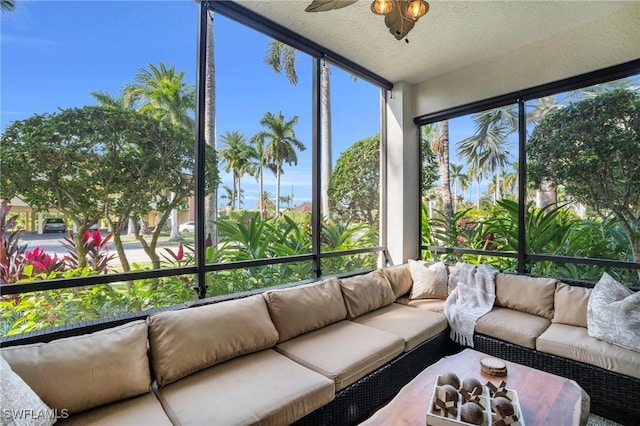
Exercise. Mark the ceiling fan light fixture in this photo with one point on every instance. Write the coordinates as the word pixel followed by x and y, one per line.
pixel 417 9
pixel 382 7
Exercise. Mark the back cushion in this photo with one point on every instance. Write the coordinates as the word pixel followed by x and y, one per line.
pixel 306 308
pixel 82 372
pixel 183 342
pixel 399 277
pixel 533 295
pixel 365 293
pixel 570 305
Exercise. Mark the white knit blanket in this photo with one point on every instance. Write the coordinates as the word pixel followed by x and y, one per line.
pixel 472 291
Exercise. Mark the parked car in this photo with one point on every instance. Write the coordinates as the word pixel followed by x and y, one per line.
pixel 54 224
pixel 187 227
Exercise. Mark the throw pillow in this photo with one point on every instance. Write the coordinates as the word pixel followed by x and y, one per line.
pixel 429 280
pixel 613 314
pixel 20 404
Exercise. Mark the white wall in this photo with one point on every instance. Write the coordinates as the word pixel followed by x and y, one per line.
pixel 402 176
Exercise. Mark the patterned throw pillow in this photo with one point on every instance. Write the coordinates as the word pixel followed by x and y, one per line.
pixel 20 404
pixel 429 280
pixel 613 314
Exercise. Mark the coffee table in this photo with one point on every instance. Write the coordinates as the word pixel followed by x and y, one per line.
pixel 545 399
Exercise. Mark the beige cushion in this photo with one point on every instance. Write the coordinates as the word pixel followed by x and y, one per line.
pixel 413 325
pixel 82 372
pixel 305 308
pixel 263 388
pixel 613 313
pixel 533 295
pixel 143 410
pixel 344 351
pixel 400 279
pixel 365 293
pixel 512 326
pixel 185 341
pixel 429 280
pixel 433 305
pixel 570 305
pixel 16 396
pixel 573 342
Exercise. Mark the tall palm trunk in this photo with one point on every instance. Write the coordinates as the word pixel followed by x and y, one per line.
pixel 278 171
pixel 211 201
pixel 443 142
pixel 262 215
pixel 325 142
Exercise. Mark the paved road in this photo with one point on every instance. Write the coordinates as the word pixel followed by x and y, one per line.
pixel 51 244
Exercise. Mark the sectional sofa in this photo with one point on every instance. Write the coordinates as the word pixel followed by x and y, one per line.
pixel 328 352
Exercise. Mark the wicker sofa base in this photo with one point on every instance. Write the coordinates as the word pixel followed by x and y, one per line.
pixel 358 401
pixel 613 395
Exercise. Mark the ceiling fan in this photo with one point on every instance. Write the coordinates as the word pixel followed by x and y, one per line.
pixel 399 15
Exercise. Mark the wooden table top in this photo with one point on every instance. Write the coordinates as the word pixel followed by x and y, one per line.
pixel 545 399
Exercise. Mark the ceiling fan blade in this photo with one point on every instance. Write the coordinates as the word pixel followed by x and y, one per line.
pixel 325 5
pixel 398 24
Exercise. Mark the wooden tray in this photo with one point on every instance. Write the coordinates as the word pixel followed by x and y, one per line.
pixel 434 419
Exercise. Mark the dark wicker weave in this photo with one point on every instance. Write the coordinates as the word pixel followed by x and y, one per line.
pixel 358 401
pixel 613 395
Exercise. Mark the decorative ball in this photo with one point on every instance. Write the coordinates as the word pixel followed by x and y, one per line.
pixel 471 413
pixel 450 379
pixel 502 406
pixel 448 393
pixel 469 384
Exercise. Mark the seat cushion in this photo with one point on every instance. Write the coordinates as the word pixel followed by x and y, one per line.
pixel 365 293
pixel 533 295
pixel 573 342
pixel 141 410
pixel 570 305
pixel 344 351
pixel 305 308
pixel 261 388
pixel 185 341
pixel 433 305
pixel 512 326
pixel 413 325
pixel 400 279
pixel 81 372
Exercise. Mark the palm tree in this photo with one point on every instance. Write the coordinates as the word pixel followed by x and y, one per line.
pixel 229 195
pixel 486 149
pixel 282 57
pixel 478 174
pixel 237 153
pixel 261 161
pixel 163 92
pixel 456 176
pixel 440 147
pixel 281 144
pixel 106 99
pixel 7 5
pixel 265 203
pixel 211 201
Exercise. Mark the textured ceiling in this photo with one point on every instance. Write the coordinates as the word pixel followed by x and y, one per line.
pixel 452 36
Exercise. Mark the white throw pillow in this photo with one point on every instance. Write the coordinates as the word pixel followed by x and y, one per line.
pixel 20 404
pixel 429 280
pixel 613 314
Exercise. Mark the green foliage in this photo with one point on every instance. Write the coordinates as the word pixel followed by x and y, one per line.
pixel 354 191
pixel 591 147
